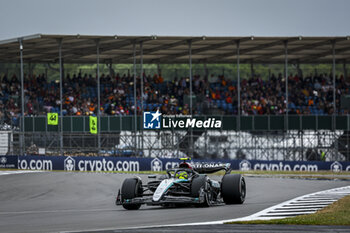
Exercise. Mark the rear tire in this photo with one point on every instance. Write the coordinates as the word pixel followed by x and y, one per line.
pixel 233 189
pixel 131 188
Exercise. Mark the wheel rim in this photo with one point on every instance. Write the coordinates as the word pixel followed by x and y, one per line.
pixel 243 191
pixel 209 197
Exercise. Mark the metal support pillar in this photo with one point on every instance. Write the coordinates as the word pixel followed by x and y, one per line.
pixel 334 102
pixel 135 97
pixel 238 90
pixel 238 121
pixel 300 71
pixel 190 61
pixel 30 68
pixel 286 76
pixel 158 69
pixel 333 74
pixel 345 71
pixel 285 149
pixel 205 72
pixel 98 97
pixel 141 76
pixel 22 143
pixel 61 96
pixel 191 104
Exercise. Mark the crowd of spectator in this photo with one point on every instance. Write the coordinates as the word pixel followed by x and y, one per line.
pixel 312 94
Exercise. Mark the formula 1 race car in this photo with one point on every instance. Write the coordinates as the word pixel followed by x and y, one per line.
pixel 185 185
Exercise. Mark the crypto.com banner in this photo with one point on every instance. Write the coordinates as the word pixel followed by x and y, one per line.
pixel 105 164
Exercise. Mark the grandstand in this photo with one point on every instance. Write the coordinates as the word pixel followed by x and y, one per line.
pixel 129 95
pixel 312 95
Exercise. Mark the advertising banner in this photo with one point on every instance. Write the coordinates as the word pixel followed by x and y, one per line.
pixel 93 124
pixel 7 162
pixel 52 118
pixel 110 164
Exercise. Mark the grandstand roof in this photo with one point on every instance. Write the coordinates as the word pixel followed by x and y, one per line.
pixel 41 48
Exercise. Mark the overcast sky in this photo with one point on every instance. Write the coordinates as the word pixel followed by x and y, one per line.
pixel 175 17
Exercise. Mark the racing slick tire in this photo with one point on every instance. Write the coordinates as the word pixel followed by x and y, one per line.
pixel 200 184
pixel 131 188
pixel 233 189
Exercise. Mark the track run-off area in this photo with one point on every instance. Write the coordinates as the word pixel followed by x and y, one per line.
pixel 79 201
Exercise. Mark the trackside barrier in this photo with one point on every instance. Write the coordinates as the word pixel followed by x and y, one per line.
pixel 106 164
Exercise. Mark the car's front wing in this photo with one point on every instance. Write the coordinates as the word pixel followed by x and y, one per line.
pixel 164 200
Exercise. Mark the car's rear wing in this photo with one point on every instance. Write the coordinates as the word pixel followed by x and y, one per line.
pixel 208 168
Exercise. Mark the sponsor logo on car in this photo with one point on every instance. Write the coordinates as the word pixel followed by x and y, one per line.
pixel 336 167
pixel 69 164
pixel 208 165
pixel 156 165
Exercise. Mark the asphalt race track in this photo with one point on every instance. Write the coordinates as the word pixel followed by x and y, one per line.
pixel 62 201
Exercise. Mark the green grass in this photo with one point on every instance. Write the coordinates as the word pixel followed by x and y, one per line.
pixel 125 172
pixel 318 174
pixel 336 214
pixel 292 172
pixel 325 175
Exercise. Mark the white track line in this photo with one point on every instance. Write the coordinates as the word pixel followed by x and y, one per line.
pixel 3 173
pixel 275 212
pixel 55 211
pixel 266 214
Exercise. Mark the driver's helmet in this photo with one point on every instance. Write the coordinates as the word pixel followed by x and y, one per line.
pixel 181 175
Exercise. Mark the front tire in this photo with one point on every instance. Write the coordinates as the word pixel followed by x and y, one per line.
pixel 131 188
pixel 233 189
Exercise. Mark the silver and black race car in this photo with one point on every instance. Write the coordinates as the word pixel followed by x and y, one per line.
pixel 185 185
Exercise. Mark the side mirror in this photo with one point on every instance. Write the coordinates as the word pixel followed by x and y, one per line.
pixel 152 176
